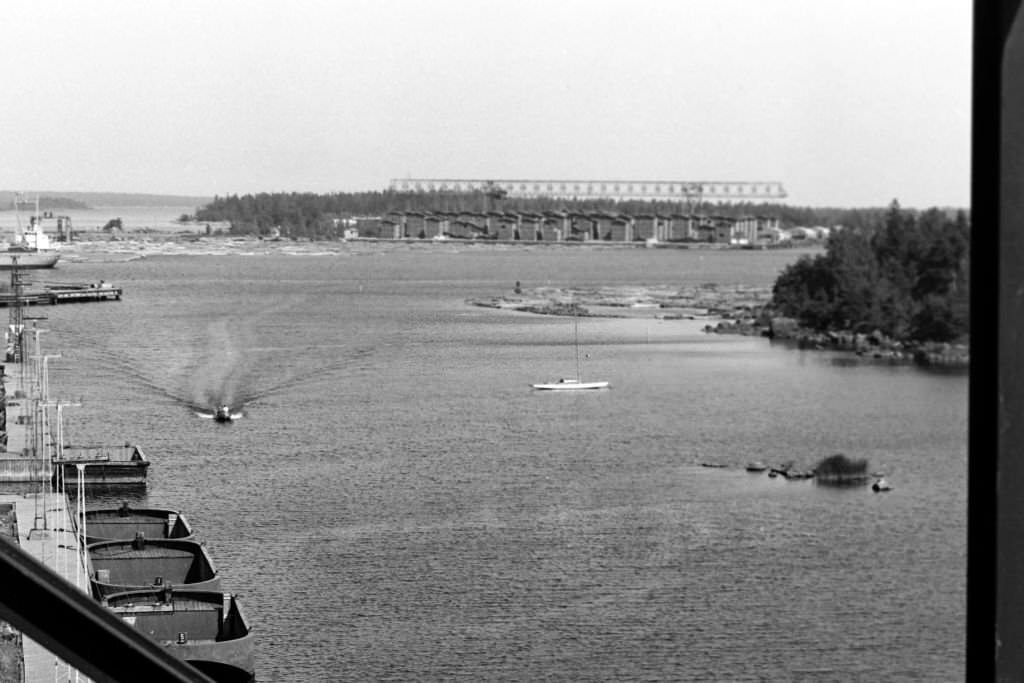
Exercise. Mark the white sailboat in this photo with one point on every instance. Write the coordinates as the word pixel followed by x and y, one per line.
pixel 573 383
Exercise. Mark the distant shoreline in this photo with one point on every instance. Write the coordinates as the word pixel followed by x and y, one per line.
pixel 103 199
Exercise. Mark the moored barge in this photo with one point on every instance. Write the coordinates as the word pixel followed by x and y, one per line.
pixel 125 523
pixel 104 465
pixel 207 629
pixel 139 564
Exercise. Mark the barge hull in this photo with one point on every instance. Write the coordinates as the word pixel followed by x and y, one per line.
pixel 109 474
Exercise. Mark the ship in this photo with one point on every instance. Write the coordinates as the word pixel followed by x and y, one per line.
pixel 29 249
pixel 26 258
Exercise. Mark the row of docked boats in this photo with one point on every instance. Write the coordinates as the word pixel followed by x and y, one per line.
pixel 147 566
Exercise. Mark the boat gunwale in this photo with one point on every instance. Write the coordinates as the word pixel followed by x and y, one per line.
pixel 153 513
pixel 196 549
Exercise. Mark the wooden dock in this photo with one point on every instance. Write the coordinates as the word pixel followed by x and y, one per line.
pixel 51 295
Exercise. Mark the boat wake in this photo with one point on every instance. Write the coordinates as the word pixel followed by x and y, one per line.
pixel 212 369
pixel 218 358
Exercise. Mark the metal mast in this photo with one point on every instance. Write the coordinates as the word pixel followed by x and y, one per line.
pixel 16 318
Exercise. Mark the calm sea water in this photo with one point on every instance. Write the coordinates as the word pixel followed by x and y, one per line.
pixel 159 218
pixel 397 504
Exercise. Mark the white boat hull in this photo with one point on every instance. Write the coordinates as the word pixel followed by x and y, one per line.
pixel 28 259
pixel 571 385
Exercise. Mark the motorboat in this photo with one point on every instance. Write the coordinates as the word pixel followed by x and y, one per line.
pixel 881 485
pixel 221 413
pixel 756 466
pixel 139 564
pixel 207 629
pixel 124 523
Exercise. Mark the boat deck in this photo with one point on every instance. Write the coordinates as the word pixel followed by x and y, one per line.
pixel 201 619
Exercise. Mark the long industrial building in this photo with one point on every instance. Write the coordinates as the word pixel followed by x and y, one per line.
pixel 565 226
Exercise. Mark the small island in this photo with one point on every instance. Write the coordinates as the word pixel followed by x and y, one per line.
pixel 839 470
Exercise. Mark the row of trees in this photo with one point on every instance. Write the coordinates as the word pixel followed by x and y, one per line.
pixel 906 275
pixel 308 215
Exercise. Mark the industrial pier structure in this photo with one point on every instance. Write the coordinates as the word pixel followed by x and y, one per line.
pixel 619 190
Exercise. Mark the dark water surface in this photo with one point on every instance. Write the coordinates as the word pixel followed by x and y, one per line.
pixel 397 504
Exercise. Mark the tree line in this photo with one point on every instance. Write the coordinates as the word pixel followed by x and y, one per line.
pixel 906 275
pixel 312 216
pixel 13 201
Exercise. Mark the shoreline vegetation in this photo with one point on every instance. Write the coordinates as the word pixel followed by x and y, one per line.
pixel 899 287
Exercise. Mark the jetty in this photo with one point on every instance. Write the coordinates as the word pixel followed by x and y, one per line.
pixel 38 493
pixel 37 519
pixel 62 293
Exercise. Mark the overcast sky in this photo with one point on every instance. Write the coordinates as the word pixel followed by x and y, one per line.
pixel 846 102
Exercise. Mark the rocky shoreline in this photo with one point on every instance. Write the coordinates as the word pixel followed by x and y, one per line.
pixel 736 309
pixel 871 345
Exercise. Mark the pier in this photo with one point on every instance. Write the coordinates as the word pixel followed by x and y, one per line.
pixel 40 523
pixel 62 294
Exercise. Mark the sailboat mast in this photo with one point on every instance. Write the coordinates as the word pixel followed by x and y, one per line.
pixel 576 334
